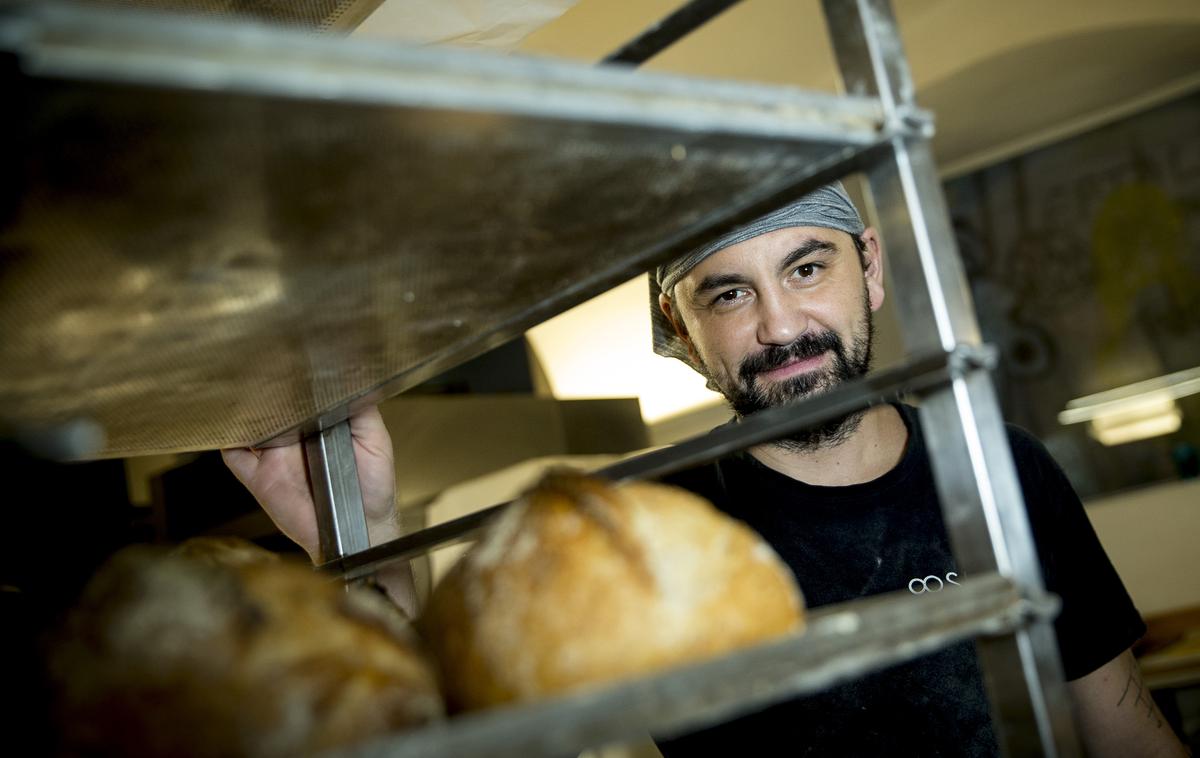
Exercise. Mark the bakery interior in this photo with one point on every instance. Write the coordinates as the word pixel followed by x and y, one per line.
pixel 1048 117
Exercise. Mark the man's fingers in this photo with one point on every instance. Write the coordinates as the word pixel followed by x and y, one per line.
pixel 242 461
pixel 367 423
pixel 368 430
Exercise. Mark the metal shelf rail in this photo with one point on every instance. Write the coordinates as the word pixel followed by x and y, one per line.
pixel 247 291
pixel 912 377
pixel 840 643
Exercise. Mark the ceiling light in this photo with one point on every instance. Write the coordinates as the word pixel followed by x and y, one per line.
pixel 1170 386
pixel 1136 411
pixel 1151 419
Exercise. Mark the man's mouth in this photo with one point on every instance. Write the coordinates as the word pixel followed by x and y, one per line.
pixel 801 360
pixel 794 367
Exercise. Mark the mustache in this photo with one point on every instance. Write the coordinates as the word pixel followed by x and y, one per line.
pixel 774 356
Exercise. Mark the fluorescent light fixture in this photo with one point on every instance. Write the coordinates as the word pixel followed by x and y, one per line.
pixel 1169 386
pixel 1149 420
pixel 1136 411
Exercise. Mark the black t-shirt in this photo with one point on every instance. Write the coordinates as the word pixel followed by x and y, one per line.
pixel 864 539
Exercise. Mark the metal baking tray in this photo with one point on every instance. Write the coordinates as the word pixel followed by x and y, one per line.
pixel 217 233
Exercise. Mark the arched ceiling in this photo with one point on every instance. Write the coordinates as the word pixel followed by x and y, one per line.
pixel 1033 94
pixel 1001 77
pixel 996 74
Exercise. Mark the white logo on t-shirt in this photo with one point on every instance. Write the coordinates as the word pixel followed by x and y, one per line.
pixel 927 586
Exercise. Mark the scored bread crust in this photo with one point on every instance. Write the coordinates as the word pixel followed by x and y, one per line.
pixel 583 582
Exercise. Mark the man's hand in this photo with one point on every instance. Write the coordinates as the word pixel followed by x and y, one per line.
pixel 278 479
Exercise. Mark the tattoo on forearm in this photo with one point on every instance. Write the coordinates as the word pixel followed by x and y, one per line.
pixel 1136 689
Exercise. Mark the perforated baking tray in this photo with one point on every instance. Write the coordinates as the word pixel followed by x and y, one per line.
pixel 214 233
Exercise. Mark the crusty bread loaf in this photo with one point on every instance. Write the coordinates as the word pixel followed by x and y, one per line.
pixel 582 582
pixel 223 650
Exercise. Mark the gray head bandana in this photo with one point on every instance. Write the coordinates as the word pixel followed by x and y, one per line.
pixel 828 207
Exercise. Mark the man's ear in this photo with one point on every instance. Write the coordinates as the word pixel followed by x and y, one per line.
pixel 676 319
pixel 873 267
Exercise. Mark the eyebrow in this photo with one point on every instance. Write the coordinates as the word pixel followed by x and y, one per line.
pixel 718 281
pixel 805 249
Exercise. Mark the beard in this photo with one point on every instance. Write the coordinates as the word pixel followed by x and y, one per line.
pixel 749 395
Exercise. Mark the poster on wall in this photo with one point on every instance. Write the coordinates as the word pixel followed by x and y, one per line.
pixel 1084 264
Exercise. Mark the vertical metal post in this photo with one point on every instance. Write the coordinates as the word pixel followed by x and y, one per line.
pixel 333 473
pixel 977 484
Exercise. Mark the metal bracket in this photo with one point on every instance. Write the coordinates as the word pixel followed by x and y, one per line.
pixel 965 359
pixel 333 476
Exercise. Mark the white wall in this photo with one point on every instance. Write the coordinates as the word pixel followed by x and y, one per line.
pixel 1152 536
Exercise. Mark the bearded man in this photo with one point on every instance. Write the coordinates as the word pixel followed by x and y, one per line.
pixel 779 310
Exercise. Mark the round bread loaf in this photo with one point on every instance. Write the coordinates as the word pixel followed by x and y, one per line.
pixel 582 582
pixel 222 649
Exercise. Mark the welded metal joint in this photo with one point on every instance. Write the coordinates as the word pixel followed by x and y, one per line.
pixel 910 121
pixel 965 359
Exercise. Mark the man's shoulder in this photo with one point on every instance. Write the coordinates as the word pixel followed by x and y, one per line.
pixel 1035 466
pixel 1023 442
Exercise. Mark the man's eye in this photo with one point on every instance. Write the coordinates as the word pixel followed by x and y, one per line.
pixel 728 296
pixel 806 270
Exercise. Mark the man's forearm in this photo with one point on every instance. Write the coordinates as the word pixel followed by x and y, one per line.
pixel 1116 715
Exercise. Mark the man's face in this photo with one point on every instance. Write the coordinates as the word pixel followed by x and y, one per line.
pixel 782 316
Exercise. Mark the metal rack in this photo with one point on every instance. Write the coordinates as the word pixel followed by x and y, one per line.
pixel 266 298
pixel 840 643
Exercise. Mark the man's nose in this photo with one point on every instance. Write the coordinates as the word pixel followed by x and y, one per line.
pixel 780 319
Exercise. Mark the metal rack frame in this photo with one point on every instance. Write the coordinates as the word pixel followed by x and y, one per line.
pixel 977 484
pixel 1003 605
pixel 982 504
pixel 973 470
